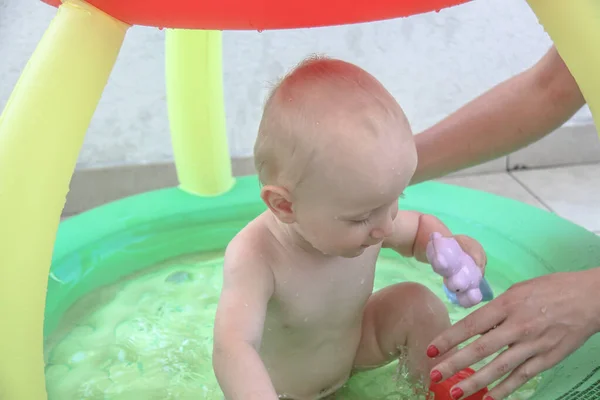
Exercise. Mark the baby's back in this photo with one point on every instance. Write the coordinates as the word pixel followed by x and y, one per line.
pixel 313 321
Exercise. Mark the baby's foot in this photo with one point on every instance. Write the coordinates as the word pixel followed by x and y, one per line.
pixel 441 391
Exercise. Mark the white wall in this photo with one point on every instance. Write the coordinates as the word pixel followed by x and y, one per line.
pixel 432 63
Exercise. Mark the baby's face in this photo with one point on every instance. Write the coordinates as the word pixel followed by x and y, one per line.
pixel 352 202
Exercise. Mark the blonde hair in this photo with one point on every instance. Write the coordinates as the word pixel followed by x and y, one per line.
pixel 317 89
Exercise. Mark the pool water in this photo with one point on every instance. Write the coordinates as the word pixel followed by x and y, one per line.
pixel 149 336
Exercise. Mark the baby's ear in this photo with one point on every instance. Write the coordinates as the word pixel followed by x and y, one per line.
pixel 279 201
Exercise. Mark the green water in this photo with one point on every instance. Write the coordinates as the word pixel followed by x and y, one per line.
pixel 150 336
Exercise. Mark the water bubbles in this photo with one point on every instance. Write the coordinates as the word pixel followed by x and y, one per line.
pixel 154 339
pixel 56 372
pixel 179 277
pixel 77 357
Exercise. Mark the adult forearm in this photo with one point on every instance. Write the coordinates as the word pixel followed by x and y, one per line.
pixel 508 117
pixel 241 373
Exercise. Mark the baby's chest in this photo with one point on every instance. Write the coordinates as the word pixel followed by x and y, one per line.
pixel 330 295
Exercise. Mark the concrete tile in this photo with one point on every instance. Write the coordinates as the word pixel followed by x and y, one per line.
pixel 243 166
pixel 92 187
pixel 567 145
pixel 571 192
pixel 501 184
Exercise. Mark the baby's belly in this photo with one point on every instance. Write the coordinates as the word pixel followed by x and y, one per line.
pixel 310 367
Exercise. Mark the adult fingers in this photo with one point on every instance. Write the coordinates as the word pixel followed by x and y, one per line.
pixel 505 362
pixel 476 351
pixel 476 323
pixel 531 368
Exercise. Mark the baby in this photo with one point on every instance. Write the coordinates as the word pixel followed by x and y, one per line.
pixel 297 314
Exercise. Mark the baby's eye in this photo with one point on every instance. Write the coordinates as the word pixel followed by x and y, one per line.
pixel 360 221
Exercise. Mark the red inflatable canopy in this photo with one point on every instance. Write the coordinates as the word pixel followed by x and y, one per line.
pixel 260 14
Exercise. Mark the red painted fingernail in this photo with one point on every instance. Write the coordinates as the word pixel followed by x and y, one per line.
pixel 456 393
pixel 432 351
pixel 436 376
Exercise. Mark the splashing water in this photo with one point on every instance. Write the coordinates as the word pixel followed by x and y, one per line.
pixel 150 336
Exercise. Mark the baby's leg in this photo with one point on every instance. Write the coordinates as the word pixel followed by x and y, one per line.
pixel 402 317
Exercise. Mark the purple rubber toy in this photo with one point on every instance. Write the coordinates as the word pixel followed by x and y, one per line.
pixel 461 274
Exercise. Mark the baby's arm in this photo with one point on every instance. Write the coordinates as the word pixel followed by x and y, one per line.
pixel 247 288
pixel 412 230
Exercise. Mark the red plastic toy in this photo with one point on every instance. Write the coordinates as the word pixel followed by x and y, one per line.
pixel 441 390
pixel 260 14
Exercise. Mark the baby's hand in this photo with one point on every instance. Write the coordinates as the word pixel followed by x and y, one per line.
pixel 461 261
pixel 474 249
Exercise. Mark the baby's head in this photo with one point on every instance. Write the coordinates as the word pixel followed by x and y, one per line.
pixel 334 152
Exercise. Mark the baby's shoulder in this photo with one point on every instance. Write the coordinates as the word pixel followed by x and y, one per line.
pixel 252 245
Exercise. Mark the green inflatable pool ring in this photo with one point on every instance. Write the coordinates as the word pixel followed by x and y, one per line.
pixel 101 246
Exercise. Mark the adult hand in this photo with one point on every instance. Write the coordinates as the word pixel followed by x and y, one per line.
pixel 542 321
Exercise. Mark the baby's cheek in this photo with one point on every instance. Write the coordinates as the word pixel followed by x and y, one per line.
pixel 359 237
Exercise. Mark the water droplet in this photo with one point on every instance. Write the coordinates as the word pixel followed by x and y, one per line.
pixel 296 294
pixel 260 30
pixel 543 310
pixel 305 319
pixel 362 281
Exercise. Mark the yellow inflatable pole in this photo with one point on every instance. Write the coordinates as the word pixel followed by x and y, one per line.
pixel 197 111
pixel 574 26
pixel 41 132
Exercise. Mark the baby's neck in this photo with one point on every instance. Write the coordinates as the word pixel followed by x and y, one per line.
pixel 289 237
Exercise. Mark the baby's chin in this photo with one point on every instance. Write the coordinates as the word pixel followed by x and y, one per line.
pixel 354 252
pixel 344 253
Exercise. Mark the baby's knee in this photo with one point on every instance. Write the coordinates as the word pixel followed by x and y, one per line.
pixel 409 298
pixel 428 299
pixel 422 302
